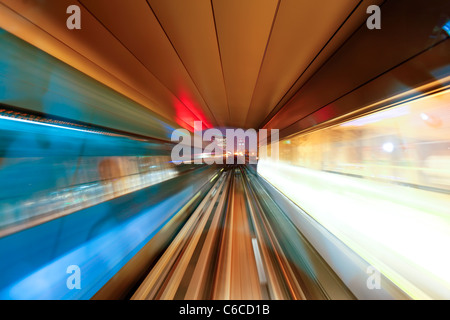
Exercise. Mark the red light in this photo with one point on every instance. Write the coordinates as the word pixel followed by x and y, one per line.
pixel 187 113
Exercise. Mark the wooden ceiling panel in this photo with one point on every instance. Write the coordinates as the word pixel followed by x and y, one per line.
pixel 137 28
pixel 301 30
pixel 367 55
pixel 190 27
pixel 109 61
pixel 227 62
pixel 243 29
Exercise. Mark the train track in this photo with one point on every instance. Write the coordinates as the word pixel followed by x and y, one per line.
pixel 228 249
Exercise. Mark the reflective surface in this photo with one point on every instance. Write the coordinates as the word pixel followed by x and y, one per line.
pixel 49 169
pixel 239 245
pixel 381 184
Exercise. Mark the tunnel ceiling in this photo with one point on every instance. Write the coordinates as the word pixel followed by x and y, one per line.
pixel 227 63
pixel 290 65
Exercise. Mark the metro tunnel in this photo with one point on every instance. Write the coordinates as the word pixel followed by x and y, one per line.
pixel 224 150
